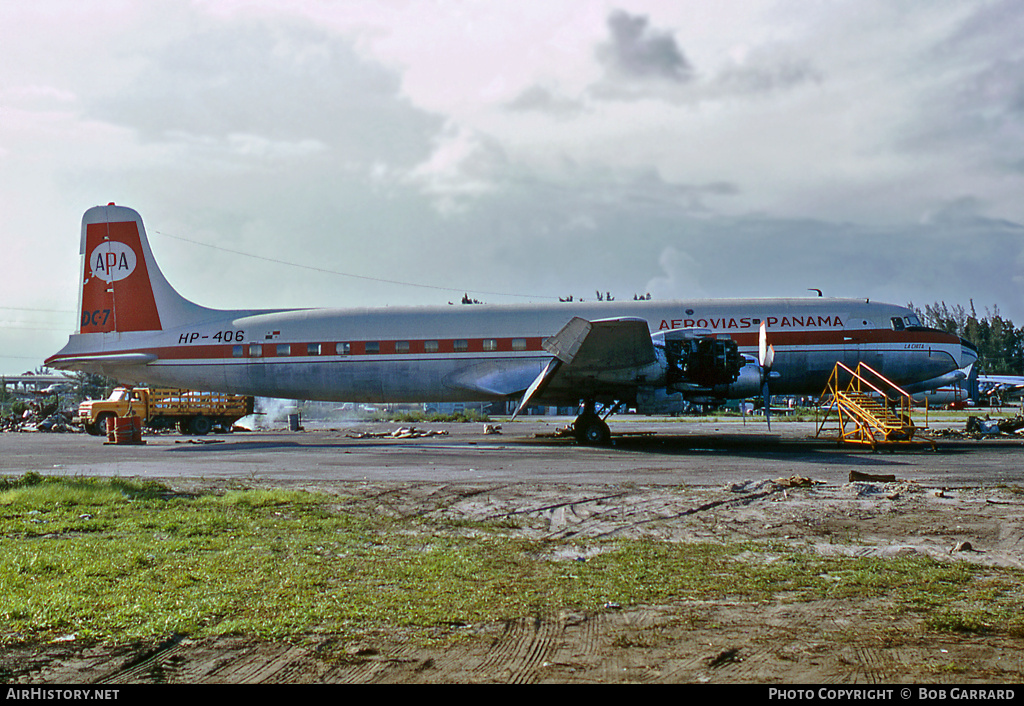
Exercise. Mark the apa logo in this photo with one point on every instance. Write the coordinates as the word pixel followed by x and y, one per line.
pixel 112 261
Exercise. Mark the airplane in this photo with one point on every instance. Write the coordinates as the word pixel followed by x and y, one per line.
pixel 956 394
pixel 56 388
pixel 975 389
pixel 998 389
pixel 133 326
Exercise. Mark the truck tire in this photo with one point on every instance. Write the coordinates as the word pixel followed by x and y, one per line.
pixel 200 425
pixel 104 423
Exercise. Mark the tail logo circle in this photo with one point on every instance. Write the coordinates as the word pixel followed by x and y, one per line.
pixel 112 261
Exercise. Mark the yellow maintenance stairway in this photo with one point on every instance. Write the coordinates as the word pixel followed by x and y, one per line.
pixel 868 408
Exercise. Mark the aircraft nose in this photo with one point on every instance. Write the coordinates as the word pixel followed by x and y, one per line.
pixel 968 353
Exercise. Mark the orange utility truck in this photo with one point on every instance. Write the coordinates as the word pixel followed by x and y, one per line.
pixel 196 413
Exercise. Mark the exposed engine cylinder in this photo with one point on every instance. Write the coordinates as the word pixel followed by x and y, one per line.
pixel 704 368
pixel 704 361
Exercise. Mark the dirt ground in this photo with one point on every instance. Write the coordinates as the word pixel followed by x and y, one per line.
pixel 828 641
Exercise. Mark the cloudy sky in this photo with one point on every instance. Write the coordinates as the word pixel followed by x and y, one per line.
pixel 319 153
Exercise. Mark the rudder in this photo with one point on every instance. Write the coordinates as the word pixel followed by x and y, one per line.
pixel 122 286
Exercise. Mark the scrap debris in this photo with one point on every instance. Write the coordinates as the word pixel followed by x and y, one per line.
pixel 795 482
pixel 400 433
pixel 565 432
pixel 978 428
pixel 40 416
pixel 857 476
pixel 724 657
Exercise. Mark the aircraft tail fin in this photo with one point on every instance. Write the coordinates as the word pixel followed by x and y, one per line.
pixel 123 288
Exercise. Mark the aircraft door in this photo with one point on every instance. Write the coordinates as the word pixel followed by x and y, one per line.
pixel 859 346
pixel 853 340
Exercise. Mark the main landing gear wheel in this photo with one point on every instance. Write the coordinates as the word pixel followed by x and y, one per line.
pixel 591 430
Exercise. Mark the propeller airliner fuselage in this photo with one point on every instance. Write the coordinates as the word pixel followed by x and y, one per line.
pixel 133 326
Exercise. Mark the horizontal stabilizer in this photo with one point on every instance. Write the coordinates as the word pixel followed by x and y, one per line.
pixel 109 359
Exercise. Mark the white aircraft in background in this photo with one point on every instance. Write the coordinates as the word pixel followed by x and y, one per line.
pixel 134 327
pixel 975 389
pixel 958 393
pixel 999 389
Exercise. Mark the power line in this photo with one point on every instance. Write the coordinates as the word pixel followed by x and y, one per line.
pixel 7 325
pixel 25 308
pixel 349 274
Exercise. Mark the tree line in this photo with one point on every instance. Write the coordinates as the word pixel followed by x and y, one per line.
pixel 1000 344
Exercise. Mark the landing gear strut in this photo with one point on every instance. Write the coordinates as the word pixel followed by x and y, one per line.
pixel 589 428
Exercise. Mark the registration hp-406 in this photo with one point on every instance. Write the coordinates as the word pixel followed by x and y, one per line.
pixel 220 337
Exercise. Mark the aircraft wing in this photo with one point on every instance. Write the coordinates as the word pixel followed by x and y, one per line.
pixel 593 355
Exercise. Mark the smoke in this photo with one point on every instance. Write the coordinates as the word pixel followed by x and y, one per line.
pixel 681 278
pixel 270 412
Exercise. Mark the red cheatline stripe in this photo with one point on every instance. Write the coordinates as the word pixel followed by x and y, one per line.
pixel 269 349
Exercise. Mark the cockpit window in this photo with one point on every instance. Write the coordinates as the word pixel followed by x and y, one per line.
pixel 912 320
pixel 897 324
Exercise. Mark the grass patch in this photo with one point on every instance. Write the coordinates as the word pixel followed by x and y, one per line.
pixel 114 560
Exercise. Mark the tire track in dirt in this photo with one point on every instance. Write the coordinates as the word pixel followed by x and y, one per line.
pixel 871 665
pixel 584 639
pixel 257 668
pixel 635 512
pixel 1010 536
pixel 396 499
pixel 693 667
pixel 636 634
pixel 622 517
pixel 420 500
pixel 158 665
pixel 356 669
pixel 519 655
pixel 401 665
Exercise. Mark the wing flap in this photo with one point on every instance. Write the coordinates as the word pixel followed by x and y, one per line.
pixel 591 357
pixel 538 385
pixel 605 344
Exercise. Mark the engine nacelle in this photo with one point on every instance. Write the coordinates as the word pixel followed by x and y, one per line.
pixel 749 381
pixel 706 368
pixel 658 400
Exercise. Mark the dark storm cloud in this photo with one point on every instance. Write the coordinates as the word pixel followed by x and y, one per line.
pixel 642 62
pixel 956 256
pixel 636 51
